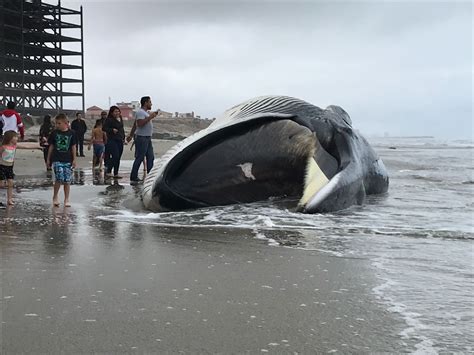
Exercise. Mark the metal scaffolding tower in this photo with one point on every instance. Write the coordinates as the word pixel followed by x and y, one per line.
pixel 35 68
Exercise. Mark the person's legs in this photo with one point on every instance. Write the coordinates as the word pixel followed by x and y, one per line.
pixel 81 145
pixel 107 157
pixel 113 151
pixel 10 192
pixel 141 146
pixel 6 179
pixel 101 161
pixel 150 156
pixel 98 155
pixel 3 183
pixel 3 176
pixel 119 151
pixel 67 181
pixel 94 158
pixel 62 175
pixel 67 189
pixel 45 157
pixel 56 187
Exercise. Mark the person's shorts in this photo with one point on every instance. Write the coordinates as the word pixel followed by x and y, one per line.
pixel 62 172
pixel 6 172
pixel 99 150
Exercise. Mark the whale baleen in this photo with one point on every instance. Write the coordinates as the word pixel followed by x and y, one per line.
pixel 270 146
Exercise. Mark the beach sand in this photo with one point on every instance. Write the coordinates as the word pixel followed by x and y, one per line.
pixel 82 280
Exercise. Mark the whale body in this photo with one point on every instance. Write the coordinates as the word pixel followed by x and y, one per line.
pixel 270 146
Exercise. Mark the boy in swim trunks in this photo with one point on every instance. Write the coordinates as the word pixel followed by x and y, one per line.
pixel 98 141
pixel 62 157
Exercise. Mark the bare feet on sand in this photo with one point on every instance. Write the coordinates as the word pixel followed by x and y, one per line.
pixel 55 203
pixel 67 203
pixel 10 202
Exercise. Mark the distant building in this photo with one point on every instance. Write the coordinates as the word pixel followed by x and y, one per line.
pixel 128 109
pixel 184 115
pixel 165 114
pixel 93 112
pixel 132 104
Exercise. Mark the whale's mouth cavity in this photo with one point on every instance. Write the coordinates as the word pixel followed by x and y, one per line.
pixel 257 161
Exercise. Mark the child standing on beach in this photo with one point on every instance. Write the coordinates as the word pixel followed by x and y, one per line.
pixel 62 157
pixel 98 141
pixel 7 158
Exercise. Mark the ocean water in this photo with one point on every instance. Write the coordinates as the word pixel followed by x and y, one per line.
pixel 418 238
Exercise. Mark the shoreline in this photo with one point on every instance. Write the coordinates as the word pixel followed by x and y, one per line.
pixel 91 279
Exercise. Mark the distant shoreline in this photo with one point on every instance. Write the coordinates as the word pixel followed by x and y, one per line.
pixel 411 137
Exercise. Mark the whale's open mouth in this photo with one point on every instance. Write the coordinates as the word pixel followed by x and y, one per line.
pixel 257 161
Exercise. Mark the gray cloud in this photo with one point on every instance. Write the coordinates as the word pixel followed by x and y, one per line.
pixel 398 67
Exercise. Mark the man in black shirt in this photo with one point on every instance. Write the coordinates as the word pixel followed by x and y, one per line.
pixel 79 126
pixel 103 116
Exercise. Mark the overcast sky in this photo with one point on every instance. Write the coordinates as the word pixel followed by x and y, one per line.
pixel 401 67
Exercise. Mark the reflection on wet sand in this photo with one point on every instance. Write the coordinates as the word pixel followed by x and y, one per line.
pixel 57 236
pixel 7 218
pixel 106 276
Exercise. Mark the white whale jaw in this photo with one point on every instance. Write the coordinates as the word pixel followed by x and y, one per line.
pixel 343 190
pixel 315 180
pixel 314 202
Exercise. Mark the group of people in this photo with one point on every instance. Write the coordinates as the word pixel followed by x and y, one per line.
pixel 62 142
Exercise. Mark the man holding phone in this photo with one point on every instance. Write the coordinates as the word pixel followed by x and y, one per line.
pixel 143 133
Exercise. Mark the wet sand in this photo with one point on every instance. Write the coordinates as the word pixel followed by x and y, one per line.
pixel 31 162
pixel 75 283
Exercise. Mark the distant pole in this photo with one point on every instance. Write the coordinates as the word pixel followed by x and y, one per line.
pixel 61 98
pixel 82 63
pixel 110 102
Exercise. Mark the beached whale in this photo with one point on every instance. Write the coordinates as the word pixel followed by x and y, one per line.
pixel 271 146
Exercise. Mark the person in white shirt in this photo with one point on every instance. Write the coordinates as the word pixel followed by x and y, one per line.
pixel 143 134
pixel 10 120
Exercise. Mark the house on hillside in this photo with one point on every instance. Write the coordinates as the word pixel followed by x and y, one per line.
pixel 184 114
pixel 93 112
pixel 164 114
pixel 128 109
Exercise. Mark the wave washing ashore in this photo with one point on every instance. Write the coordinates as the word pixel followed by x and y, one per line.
pixel 394 275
